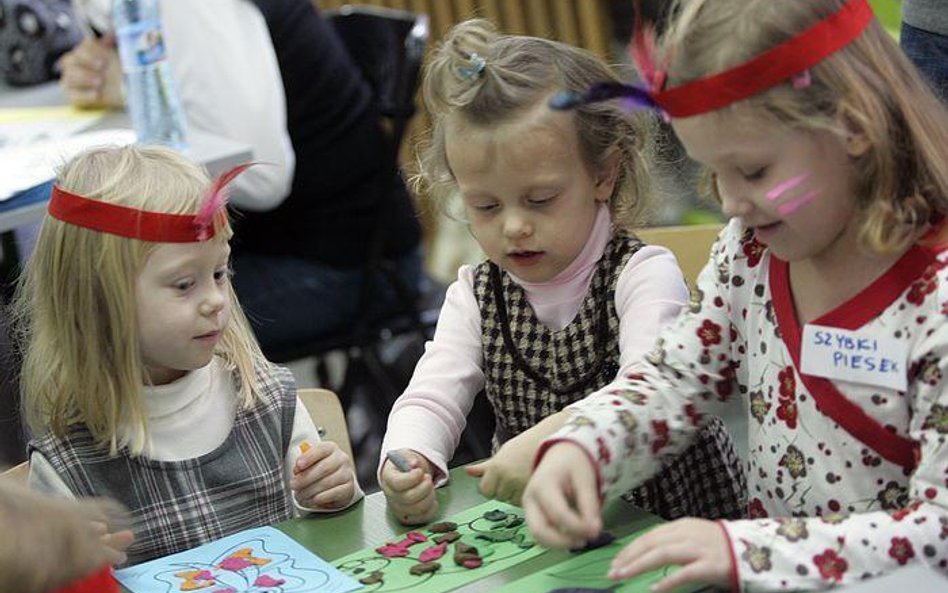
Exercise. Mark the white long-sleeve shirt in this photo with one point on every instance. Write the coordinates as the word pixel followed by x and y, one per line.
pixel 431 414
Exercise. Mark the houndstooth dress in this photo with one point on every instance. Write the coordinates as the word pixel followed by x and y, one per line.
pixel 533 371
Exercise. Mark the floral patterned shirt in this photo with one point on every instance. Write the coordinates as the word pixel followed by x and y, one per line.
pixel 847 481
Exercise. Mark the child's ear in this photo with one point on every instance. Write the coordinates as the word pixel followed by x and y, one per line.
pixel 856 139
pixel 607 175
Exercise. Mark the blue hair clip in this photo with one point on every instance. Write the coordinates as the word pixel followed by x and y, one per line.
pixel 475 69
pixel 632 96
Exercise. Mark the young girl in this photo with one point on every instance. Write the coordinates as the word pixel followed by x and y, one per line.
pixel 141 379
pixel 823 305
pixel 567 298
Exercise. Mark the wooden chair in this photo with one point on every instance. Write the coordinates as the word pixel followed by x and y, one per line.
pixel 326 410
pixel 19 473
pixel 691 245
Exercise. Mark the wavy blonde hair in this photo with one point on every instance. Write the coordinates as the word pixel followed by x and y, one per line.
pixel 869 84
pixel 516 74
pixel 75 305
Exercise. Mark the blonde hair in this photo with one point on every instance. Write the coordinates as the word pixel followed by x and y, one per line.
pixel 489 79
pixel 870 85
pixel 76 309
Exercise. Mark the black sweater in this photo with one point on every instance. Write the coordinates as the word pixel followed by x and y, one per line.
pixel 343 169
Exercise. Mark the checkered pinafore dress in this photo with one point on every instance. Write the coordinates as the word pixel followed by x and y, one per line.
pixel 533 371
pixel 177 505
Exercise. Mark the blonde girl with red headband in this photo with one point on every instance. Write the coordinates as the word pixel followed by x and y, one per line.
pixel 823 306
pixel 141 381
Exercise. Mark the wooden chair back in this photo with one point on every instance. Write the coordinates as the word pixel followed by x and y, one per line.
pixel 691 245
pixel 327 413
pixel 19 473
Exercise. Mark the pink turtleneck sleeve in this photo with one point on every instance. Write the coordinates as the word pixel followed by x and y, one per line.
pixel 431 414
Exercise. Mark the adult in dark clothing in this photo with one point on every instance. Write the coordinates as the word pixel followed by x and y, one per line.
pixel 307 256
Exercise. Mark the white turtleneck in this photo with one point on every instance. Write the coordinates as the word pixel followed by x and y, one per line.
pixel 189 418
pixel 432 412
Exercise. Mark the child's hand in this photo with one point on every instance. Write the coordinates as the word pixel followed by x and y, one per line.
pixel 504 476
pixel 561 502
pixel 411 494
pixel 114 544
pixel 323 477
pixel 699 546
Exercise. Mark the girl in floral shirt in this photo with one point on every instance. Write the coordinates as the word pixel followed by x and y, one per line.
pixel 823 306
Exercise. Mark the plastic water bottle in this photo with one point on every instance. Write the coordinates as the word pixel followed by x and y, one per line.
pixel 150 92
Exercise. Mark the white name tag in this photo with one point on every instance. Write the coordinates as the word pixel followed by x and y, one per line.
pixel 860 357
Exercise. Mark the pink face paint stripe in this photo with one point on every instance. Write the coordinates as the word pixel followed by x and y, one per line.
pixel 785 186
pixel 792 206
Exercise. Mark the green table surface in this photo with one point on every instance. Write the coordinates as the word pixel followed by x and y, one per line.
pixel 368 524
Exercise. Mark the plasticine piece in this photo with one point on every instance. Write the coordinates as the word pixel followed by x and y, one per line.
pixel 603 539
pixel 472 563
pixel 424 568
pixel 482 548
pixel 450 536
pixel 304 447
pixel 415 537
pixel 495 515
pixel 498 536
pixel 513 521
pixel 377 576
pixel 443 527
pixel 433 553
pixel 523 542
pixel 393 551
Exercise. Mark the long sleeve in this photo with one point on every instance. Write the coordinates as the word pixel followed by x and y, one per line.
pixel 651 410
pixel 830 503
pixel 432 412
pixel 305 431
pixel 229 81
pixel 430 416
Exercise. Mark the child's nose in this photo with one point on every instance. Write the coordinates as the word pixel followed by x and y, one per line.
pixel 735 204
pixel 213 301
pixel 517 225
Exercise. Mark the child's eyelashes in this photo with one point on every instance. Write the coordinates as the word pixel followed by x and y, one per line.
pixel 223 274
pixel 754 174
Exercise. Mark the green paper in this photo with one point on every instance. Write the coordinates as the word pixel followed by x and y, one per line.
pixel 497 556
pixel 588 569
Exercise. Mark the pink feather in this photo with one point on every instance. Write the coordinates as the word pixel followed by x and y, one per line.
pixel 642 52
pixel 216 197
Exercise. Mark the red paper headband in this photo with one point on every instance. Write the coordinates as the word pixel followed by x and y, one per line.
pixel 774 66
pixel 133 223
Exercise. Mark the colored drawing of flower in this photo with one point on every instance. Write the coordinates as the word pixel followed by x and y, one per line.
pixel 756 510
pixel 754 251
pixel 758 557
pixel 901 550
pixel 832 567
pixel 788 382
pixel 793 530
pixel 893 496
pixel 937 420
pixel 787 411
pixel 709 333
pixel 759 406
pixel 794 461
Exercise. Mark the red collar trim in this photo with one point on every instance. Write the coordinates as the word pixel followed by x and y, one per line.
pixel 127 222
pixel 771 67
pixel 851 315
